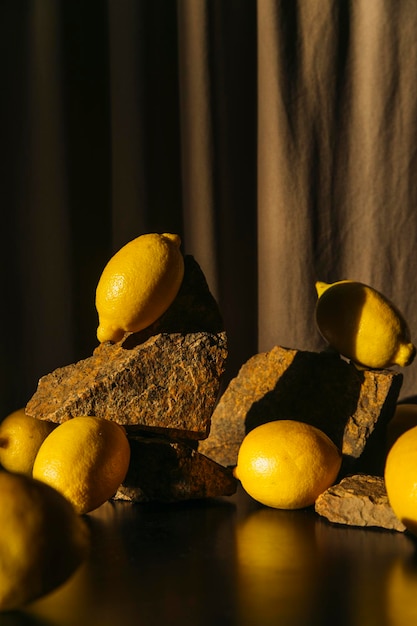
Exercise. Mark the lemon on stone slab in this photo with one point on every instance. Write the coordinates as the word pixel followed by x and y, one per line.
pixel 287 464
pixel 20 439
pixel 138 284
pixel 42 540
pixel 86 459
pixel 363 325
pixel 400 476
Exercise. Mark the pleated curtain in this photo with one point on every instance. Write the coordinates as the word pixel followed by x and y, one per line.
pixel 277 137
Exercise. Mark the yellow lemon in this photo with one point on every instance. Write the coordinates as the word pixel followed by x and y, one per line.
pixel 138 284
pixel 42 540
pixel 20 439
pixel 401 478
pixel 287 464
pixel 404 418
pixel 363 325
pixel 86 459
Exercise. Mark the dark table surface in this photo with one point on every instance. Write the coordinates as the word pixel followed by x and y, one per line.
pixel 230 561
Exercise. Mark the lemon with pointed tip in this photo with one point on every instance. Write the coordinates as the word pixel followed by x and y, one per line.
pixel 42 540
pixel 20 439
pixel 363 325
pixel 86 459
pixel 287 464
pixel 138 284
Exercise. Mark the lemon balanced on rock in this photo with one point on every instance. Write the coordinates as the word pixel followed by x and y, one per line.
pixel 138 284
pixel 287 464
pixel 42 540
pixel 86 459
pixel 363 325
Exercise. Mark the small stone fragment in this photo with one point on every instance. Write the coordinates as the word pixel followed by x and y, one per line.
pixel 167 471
pixel 169 384
pixel 351 406
pixel 359 500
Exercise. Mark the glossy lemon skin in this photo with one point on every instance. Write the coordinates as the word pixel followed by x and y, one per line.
pixel 42 540
pixel 401 478
pixel 138 284
pixel 363 325
pixel 287 464
pixel 86 459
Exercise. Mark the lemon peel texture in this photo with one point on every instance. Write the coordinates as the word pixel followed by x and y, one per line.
pixel 287 464
pixel 138 284
pixel 400 477
pixel 20 439
pixel 86 459
pixel 363 325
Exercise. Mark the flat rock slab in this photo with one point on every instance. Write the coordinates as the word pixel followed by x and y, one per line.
pixel 359 500
pixel 351 406
pixel 168 384
pixel 164 471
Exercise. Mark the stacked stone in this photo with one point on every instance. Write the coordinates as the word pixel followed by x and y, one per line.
pixel 161 385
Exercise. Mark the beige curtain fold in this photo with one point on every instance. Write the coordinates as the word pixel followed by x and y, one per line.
pixel 336 159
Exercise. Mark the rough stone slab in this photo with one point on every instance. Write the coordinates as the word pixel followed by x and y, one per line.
pixel 164 471
pixel 359 500
pixel 168 384
pixel 351 406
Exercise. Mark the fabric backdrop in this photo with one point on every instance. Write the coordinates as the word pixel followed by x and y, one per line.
pixel 278 138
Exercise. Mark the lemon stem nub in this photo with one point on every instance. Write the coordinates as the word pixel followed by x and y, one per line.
pixel 406 354
pixel 321 287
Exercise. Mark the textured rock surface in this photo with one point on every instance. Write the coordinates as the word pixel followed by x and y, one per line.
pixel 172 471
pixel 168 384
pixel 359 500
pixel 165 378
pixel 350 405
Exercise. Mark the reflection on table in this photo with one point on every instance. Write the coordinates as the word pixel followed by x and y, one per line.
pixel 232 562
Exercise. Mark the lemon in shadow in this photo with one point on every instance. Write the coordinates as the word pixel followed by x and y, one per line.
pixel 42 540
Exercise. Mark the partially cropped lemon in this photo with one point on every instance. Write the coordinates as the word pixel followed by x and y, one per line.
pixel 86 459
pixel 401 478
pixel 42 540
pixel 138 284
pixel 20 439
pixel 286 464
pixel 363 325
